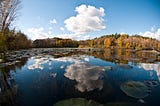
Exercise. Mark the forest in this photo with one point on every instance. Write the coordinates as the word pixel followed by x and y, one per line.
pixel 135 42
pixel 13 40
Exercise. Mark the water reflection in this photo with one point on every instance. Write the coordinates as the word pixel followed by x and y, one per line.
pixel 118 76
pixel 126 55
pixel 88 77
pixel 8 86
pixel 38 61
pixel 151 67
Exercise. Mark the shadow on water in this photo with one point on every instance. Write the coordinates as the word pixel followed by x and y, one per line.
pixel 75 77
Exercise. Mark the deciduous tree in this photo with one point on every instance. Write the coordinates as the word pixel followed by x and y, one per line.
pixel 8 13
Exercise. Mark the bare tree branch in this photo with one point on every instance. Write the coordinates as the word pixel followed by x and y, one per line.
pixel 8 13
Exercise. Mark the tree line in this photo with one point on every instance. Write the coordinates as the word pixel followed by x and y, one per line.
pixel 55 43
pixel 136 42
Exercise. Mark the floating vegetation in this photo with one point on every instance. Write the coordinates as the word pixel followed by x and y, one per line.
pixel 135 89
pixel 151 83
pixel 77 102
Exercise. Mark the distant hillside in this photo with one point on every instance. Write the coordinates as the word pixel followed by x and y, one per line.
pixel 122 41
pixel 107 41
pixel 55 43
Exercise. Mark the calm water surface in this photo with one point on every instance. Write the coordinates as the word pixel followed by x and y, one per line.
pixel 98 78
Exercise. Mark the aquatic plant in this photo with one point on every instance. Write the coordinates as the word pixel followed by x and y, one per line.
pixel 135 89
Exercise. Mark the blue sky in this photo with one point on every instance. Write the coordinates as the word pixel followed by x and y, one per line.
pixel 84 19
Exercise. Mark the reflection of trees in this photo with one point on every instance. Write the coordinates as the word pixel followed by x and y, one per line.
pixel 8 88
pixel 125 56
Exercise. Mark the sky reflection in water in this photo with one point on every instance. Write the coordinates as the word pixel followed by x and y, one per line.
pixel 45 80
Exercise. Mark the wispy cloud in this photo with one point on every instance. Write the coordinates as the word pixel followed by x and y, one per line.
pixel 50 28
pixel 49 32
pixel 88 19
pixel 40 33
pixel 53 21
pixel 37 33
pixel 153 28
pixel 61 28
pixel 73 36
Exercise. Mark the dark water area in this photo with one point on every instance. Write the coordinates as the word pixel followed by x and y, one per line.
pixel 81 78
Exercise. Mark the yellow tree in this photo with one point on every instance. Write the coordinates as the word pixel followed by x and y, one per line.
pixel 107 42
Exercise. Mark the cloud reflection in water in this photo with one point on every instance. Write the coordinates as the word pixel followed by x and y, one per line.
pixel 88 77
pixel 38 63
pixel 151 66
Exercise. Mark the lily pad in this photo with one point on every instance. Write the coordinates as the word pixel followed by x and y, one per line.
pixel 77 102
pixel 135 89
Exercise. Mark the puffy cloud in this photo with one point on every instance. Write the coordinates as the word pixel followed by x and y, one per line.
pixel 150 34
pixel 37 33
pixel 89 18
pixel 87 76
pixel 53 21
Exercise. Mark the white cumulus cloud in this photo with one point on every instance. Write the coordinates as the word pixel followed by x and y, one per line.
pixel 151 34
pixel 88 19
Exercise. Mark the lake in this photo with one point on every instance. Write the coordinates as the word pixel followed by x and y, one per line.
pixel 53 77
